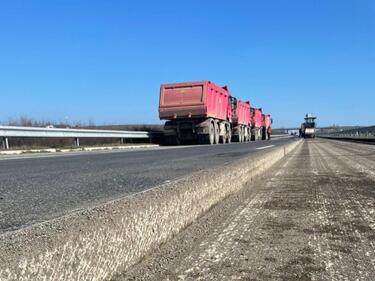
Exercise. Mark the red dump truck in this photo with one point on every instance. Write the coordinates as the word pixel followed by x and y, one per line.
pixel 195 112
pixel 240 120
pixel 256 123
pixel 266 123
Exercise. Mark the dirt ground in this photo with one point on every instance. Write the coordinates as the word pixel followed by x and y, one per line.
pixel 311 218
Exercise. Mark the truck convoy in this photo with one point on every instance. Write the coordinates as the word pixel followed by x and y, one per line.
pixel 205 113
pixel 308 128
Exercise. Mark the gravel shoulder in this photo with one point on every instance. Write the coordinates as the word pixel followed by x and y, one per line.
pixel 311 218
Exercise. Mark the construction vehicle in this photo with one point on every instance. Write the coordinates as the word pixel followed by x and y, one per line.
pixel 255 123
pixel 240 120
pixel 266 124
pixel 308 128
pixel 195 112
pixel 205 113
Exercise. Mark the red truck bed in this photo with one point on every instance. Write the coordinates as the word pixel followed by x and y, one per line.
pixel 201 99
pixel 242 113
pixel 256 117
pixel 266 120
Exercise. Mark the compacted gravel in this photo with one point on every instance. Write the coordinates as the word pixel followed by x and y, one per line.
pixel 312 217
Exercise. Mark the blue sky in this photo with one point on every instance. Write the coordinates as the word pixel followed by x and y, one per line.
pixel 103 61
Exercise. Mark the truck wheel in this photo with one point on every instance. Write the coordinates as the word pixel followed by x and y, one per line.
pixel 223 138
pixel 229 135
pixel 217 133
pixel 211 134
pixel 252 137
pixel 240 135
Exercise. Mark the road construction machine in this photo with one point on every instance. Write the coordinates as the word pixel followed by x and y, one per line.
pixel 308 128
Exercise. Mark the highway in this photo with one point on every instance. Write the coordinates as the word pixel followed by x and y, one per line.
pixel 311 218
pixel 35 188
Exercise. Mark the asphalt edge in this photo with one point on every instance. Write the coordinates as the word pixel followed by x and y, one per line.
pixel 97 243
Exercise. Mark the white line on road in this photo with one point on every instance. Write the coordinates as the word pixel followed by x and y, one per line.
pixel 264 147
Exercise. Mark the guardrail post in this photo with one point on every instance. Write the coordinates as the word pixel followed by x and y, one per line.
pixel 76 142
pixel 5 143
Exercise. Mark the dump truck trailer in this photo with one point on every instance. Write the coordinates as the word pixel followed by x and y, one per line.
pixel 255 123
pixel 240 120
pixel 195 112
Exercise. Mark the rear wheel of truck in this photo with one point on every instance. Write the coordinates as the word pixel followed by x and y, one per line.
pixel 252 137
pixel 211 134
pixel 229 135
pixel 240 135
pixel 223 138
pixel 217 133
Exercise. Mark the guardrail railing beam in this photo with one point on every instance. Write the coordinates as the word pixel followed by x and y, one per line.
pixel 38 132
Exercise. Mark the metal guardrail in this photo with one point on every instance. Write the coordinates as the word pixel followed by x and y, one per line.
pixel 366 140
pixel 37 132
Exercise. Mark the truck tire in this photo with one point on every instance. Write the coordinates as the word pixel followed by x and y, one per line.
pixel 239 136
pixel 211 134
pixel 217 133
pixel 229 135
pixel 263 133
pixel 223 138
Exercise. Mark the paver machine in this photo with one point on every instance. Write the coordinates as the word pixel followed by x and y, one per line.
pixel 308 128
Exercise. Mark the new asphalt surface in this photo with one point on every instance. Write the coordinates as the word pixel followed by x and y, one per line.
pixel 42 187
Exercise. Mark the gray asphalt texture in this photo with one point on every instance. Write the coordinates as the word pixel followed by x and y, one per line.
pixel 36 189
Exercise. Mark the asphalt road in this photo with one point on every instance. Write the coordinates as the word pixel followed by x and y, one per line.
pixel 312 218
pixel 41 187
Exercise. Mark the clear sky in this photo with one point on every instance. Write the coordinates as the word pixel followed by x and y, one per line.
pixel 103 61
